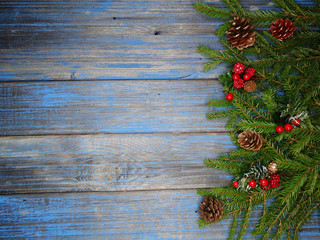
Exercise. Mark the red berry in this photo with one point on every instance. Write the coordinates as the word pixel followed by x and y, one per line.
pixel 252 183
pixel 235 184
pixel 279 129
pixel 264 182
pixel 238 68
pixel 296 121
pixel 238 84
pixel 250 71
pixel 246 77
pixel 236 77
pixel 229 96
pixel 288 127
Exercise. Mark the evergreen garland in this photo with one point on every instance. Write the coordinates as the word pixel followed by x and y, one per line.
pixel 288 89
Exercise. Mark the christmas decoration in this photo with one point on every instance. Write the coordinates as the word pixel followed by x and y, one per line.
pixel 250 86
pixel 264 182
pixel 251 178
pixel 240 34
pixel 288 127
pixel 239 81
pixel 296 121
pixel 272 168
pixel 274 180
pixel 211 209
pixel 250 71
pixel 238 68
pixel 252 183
pixel 238 84
pixel 282 29
pixel 250 140
pixel 279 129
pixel 235 184
pixel 246 77
pixel 284 64
pixel 236 77
pixel 229 96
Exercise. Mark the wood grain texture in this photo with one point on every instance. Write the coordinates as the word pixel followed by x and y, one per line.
pixel 69 107
pixel 61 40
pixel 115 216
pixel 117 162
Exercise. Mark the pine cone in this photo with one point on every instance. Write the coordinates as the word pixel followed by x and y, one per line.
pixel 272 168
pixel 250 86
pixel 250 140
pixel 240 34
pixel 282 29
pixel 211 209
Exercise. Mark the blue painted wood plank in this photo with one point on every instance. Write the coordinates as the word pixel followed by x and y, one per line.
pixel 82 107
pixel 114 162
pixel 61 40
pixel 115 216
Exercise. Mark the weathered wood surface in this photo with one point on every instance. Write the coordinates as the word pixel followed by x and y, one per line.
pixel 61 40
pixel 113 216
pixel 114 162
pixel 33 108
pixel 102 99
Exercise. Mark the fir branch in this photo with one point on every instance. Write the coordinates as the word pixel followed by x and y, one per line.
pixel 273 224
pixel 221 114
pixel 223 28
pixel 233 225
pixel 245 221
pixel 231 7
pixel 210 11
pixel 234 167
pixel 203 192
pixel 305 218
pixel 258 126
pixel 216 56
pixel 203 223
pixel 219 103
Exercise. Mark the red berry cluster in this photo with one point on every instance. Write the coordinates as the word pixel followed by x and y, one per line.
pixel 238 69
pixel 288 127
pixel 274 180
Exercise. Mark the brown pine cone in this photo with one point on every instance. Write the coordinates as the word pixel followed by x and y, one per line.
pixel 272 168
pixel 282 29
pixel 240 34
pixel 250 86
pixel 211 209
pixel 250 140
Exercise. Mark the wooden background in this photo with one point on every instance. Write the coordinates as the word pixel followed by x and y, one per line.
pixel 102 120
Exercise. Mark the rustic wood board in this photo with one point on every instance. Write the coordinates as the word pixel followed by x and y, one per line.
pixel 114 162
pixel 115 216
pixel 102 120
pixel 33 108
pixel 61 40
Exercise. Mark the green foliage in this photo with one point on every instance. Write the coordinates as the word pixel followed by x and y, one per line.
pixel 288 87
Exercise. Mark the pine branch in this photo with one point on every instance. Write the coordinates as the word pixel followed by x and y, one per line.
pixel 245 221
pixel 210 11
pixel 233 225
